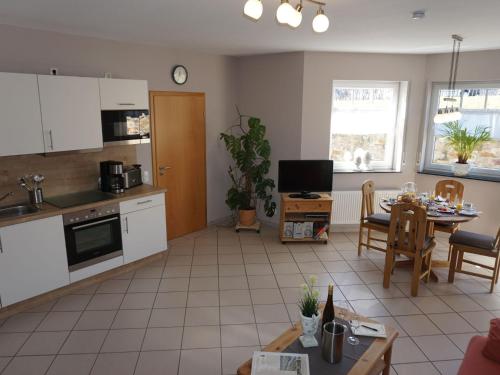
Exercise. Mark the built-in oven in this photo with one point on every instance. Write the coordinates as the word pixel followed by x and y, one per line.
pixel 92 236
pixel 125 127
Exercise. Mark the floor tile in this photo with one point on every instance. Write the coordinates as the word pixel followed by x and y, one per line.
pixel 258 269
pixel 23 322
pixel 236 315
pixel 113 286
pixel 289 280
pixel 4 362
pixel 271 313
pixel 131 319
pixel 201 337
pixel 269 331
pixel 451 323
pixel 416 369
pixel 43 343
pixel 162 339
pixel 72 302
pixel 149 272
pixel 211 270
pixel 438 347
pixel 80 342
pixel 461 303
pixel 74 364
pixel 109 301
pixel 266 296
pixel 59 321
pixel 392 322
pixel 380 292
pixel 95 320
pixel 462 339
pixel 488 301
pixel 235 297
pixel 179 260
pixel 369 308
pixel 311 268
pixel 346 278
pixel 290 295
pixel 239 335
pixel 173 317
pixel 262 282
pixel 353 292
pixel 285 268
pixel 417 325
pixel 362 265
pixel 29 365
pixel 372 277
pixel 480 320
pixel 171 299
pixel 232 358
pixel 138 301
pixel 308 256
pixel 281 258
pixel 123 340
pixel 230 259
pixel 178 284
pixel 200 299
pixel 200 361
pixel 115 363
pixel 337 266
pixel 233 282
pixel 430 305
pixel 176 271
pixel 231 270
pixel 400 306
pixel 158 363
pixel 198 316
pixel 448 367
pixel 406 351
pixel 143 286
pixel 203 283
pixel 203 260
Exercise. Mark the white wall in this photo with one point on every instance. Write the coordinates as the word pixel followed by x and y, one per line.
pixel 33 51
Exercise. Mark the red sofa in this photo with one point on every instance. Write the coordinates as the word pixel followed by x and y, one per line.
pixel 474 362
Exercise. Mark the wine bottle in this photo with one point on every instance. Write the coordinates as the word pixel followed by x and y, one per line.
pixel 329 311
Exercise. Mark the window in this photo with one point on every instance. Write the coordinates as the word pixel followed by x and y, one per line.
pixel 480 106
pixel 367 125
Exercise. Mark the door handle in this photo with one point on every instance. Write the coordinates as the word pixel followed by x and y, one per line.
pixel 162 169
pixel 1 246
pixel 126 224
pixel 51 140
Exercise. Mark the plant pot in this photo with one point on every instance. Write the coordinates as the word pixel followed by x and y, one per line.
pixel 460 169
pixel 247 217
pixel 309 329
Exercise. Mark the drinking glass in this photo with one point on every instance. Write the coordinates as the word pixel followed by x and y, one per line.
pixel 344 315
pixel 353 340
pixel 343 308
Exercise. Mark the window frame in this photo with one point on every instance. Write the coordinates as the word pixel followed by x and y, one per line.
pixel 398 141
pixel 427 149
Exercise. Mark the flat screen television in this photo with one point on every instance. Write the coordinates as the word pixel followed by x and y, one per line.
pixel 303 177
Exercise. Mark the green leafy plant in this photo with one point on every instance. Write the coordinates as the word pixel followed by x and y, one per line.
pixel 251 154
pixel 309 303
pixel 463 142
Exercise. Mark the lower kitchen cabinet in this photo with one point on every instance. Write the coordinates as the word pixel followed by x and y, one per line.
pixel 144 233
pixel 32 259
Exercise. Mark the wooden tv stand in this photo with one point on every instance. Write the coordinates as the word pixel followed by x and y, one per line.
pixel 318 211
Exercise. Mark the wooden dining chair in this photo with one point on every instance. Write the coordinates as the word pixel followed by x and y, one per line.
pixel 408 237
pixel 463 242
pixel 452 191
pixel 370 220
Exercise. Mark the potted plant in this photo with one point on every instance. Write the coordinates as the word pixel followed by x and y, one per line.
pixel 464 143
pixel 309 312
pixel 251 154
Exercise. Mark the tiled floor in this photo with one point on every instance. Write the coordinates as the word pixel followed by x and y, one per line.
pixel 218 296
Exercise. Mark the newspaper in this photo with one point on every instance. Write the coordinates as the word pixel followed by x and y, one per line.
pixel 266 363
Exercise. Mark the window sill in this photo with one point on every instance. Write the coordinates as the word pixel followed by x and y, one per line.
pixel 364 172
pixel 450 174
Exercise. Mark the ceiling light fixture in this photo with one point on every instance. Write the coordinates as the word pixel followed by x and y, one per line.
pixel 286 14
pixel 253 9
pixel 452 112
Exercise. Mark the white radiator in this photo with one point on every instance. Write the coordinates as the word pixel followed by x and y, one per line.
pixel 347 204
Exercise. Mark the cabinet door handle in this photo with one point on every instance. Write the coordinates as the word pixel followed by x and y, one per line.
pixel 144 202
pixel 126 103
pixel 51 140
pixel 1 246
pixel 126 224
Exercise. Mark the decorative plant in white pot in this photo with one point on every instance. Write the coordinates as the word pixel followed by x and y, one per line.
pixel 464 143
pixel 309 312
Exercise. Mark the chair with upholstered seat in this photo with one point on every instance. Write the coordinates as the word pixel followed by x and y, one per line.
pixel 463 242
pixel 378 222
pixel 452 191
pixel 408 237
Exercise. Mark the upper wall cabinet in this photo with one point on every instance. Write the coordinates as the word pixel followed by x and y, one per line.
pixel 123 94
pixel 71 113
pixel 21 125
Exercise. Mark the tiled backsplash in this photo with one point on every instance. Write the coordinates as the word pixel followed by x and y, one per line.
pixel 64 172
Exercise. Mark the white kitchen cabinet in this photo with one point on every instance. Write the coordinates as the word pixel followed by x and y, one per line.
pixel 21 124
pixel 144 232
pixel 32 259
pixel 71 113
pixel 119 94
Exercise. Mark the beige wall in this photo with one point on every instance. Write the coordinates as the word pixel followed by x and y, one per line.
pixel 270 87
pixel 33 51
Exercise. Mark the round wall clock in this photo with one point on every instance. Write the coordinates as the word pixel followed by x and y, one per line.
pixel 179 74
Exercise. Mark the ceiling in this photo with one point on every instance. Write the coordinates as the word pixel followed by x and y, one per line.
pixel 218 26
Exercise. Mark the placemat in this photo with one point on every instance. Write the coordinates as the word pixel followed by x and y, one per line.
pixel 351 354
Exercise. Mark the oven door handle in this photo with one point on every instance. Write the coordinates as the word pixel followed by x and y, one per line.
pixel 94 223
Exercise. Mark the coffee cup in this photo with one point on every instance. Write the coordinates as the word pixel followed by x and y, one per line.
pixel 468 206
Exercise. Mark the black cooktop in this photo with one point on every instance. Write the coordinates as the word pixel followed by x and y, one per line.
pixel 78 199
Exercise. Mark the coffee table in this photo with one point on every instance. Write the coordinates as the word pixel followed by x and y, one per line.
pixel 376 359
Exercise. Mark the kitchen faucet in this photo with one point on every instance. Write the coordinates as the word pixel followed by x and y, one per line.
pixel 9 194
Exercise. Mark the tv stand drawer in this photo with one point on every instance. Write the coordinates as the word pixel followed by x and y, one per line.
pixel 318 206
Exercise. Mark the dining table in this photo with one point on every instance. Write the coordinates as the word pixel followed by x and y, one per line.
pixel 434 217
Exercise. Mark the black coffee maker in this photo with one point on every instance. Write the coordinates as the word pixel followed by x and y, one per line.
pixel 112 176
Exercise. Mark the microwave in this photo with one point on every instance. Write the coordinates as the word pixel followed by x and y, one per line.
pixel 125 127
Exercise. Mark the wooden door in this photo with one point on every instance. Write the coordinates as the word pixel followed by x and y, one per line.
pixel 179 158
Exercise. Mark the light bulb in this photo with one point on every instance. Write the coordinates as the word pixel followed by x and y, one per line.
pixel 320 22
pixel 284 12
pixel 253 9
pixel 296 17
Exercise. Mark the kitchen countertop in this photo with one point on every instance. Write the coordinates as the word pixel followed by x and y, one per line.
pixel 48 210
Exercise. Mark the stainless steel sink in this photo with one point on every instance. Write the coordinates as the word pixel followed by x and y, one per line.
pixel 18 210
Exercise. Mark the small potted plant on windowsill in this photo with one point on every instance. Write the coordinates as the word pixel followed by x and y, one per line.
pixel 464 144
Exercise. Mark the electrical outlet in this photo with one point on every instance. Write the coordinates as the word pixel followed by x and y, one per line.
pixel 54 71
